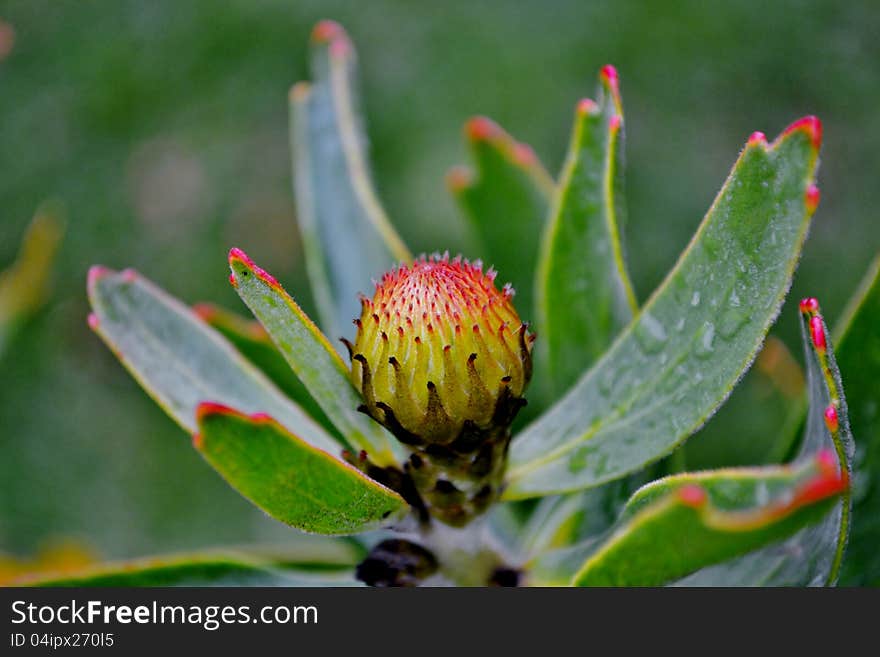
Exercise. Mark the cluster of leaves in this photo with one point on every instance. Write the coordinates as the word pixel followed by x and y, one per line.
pixel 618 385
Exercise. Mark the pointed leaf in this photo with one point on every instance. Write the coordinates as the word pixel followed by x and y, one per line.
pixel 505 201
pixel 179 360
pixel 858 354
pixel 323 562
pixel 310 355
pixel 812 556
pixel 585 297
pixel 348 239
pixel 679 359
pixel 679 524
pixel 253 342
pixel 289 479
pixel 24 285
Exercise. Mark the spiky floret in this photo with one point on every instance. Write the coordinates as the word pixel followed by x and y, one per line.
pixel 438 347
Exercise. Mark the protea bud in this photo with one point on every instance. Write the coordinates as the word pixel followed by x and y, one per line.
pixel 442 360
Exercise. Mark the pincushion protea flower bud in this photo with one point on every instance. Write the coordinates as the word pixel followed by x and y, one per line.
pixel 442 360
pixel 437 347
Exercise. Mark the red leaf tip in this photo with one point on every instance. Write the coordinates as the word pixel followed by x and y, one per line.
pixel 809 305
pixel 326 31
pixel 811 198
pixel 829 481
pixel 481 128
pixel 810 125
pixel 831 420
pixel 129 275
pixel 198 441
pixel 207 408
pixel 817 332
pixel 757 139
pixel 93 321
pixel 96 272
pixel 587 106
pixel 237 254
pixel 614 123
pixel 692 495
pixel 608 74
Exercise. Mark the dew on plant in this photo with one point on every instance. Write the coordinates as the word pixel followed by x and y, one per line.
pixel 434 422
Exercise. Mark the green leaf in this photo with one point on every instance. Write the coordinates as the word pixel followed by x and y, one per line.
pixel 676 525
pixel 24 285
pixel 769 401
pixel 680 357
pixel 321 561
pixel 251 340
pixel 813 556
pixel 858 355
pixel 289 479
pixel 506 202
pixel 179 360
pixel 348 239
pixel 310 355
pixel 585 297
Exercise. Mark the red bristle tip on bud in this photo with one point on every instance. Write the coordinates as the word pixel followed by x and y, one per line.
pixel 809 305
pixel 232 280
pixel 692 495
pixel 831 420
pixel 811 198
pixel 811 125
pixel 817 332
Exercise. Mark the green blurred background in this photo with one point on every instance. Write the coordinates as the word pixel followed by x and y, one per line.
pixel 162 126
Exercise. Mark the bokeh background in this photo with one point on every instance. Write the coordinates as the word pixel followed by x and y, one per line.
pixel 162 127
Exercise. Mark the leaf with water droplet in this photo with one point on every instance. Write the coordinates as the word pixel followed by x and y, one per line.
pixel 813 556
pixel 679 524
pixel 634 423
